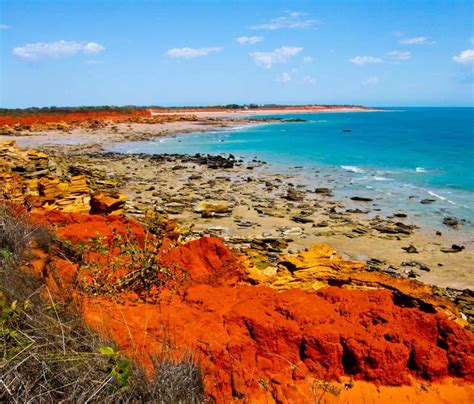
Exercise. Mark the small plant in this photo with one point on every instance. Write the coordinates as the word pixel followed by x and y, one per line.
pixel 124 263
pixel 117 367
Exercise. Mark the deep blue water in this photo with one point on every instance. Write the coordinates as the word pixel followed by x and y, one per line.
pixel 426 152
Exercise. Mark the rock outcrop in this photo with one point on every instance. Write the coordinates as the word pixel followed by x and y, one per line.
pixel 32 178
pixel 256 343
pixel 320 267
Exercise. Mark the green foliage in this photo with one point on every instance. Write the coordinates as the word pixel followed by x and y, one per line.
pixel 126 264
pixel 117 367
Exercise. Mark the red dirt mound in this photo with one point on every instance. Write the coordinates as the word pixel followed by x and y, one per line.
pixel 256 343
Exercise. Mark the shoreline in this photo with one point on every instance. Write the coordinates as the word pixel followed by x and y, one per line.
pixel 318 218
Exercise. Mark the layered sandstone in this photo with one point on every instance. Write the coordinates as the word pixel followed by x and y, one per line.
pixel 28 176
pixel 320 267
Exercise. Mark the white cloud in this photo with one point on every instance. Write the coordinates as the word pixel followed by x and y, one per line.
pixel 41 50
pixel 371 81
pixel 249 40
pixel 4 26
pixel 466 57
pixel 190 53
pixel 364 60
pixel 290 20
pixel 417 40
pixel 279 55
pixel 284 78
pixel 308 59
pixel 309 79
pixel 399 55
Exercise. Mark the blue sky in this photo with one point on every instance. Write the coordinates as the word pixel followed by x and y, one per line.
pixel 118 52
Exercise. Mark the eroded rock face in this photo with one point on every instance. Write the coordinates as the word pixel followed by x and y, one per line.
pixel 320 267
pixel 257 343
pixel 30 177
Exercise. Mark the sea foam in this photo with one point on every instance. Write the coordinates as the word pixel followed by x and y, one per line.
pixel 353 169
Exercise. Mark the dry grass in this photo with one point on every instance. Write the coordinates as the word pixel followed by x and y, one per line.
pixel 47 355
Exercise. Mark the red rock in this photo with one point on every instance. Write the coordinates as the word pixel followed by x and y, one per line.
pixel 255 343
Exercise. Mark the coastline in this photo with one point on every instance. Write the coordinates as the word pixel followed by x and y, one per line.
pixel 313 218
pixel 272 262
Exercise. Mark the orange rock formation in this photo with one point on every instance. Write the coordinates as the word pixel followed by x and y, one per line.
pixel 256 343
pixel 30 176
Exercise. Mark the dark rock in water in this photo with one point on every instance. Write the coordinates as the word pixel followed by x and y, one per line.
pixel 427 201
pixel 451 222
pixel 323 191
pixel 346 130
pixel 400 215
pixel 292 120
pixel 411 249
pixel 361 199
pixel 454 249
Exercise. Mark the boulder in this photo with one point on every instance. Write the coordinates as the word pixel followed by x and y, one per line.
pixel 107 203
pixel 213 209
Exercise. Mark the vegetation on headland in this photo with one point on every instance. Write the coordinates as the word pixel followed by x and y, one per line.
pixel 128 109
pixel 49 355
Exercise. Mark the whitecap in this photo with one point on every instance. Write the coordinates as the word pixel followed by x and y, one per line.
pixel 353 169
pixel 421 170
pixel 437 196
pixel 381 178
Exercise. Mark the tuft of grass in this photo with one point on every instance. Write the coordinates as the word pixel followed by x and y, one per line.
pixel 48 355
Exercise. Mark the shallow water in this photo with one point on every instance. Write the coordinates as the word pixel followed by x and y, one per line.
pixel 399 156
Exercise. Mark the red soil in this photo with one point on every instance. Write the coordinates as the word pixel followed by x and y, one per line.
pixel 143 115
pixel 255 343
pixel 69 117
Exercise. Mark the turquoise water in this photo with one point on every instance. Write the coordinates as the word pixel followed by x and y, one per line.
pixel 400 155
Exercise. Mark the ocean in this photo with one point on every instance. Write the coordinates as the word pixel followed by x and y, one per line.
pixel 398 157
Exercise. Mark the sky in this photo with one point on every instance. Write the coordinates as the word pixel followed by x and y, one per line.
pixel 209 52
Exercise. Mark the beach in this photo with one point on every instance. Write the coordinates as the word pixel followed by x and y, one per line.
pixel 251 268
pixel 262 204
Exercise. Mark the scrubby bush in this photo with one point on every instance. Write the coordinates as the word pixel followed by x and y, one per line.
pixel 48 355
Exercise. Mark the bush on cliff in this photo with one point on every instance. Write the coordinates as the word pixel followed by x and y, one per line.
pixel 47 354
